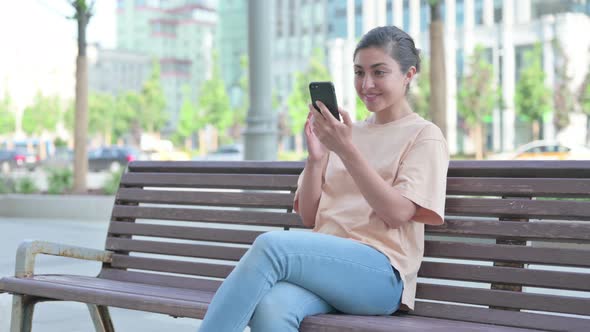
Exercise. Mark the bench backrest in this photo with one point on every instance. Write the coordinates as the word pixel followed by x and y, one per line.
pixel 515 248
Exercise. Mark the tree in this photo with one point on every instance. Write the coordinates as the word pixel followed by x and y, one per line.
pixel 190 120
pixel 214 102
pixel 419 94
pixel 240 113
pixel 584 100
pixel 43 114
pixel 153 103
pixel 532 98
pixel 102 116
pixel 477 97
pixel 299 97
pixel 7 117
pixel 563 98
pixel 438 87
pixel 82 15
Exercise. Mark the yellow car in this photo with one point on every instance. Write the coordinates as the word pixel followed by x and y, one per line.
pixel 550 150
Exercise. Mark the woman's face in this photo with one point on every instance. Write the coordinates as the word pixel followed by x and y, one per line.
pixel 379 81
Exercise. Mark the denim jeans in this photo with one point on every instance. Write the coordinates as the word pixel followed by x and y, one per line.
pixel 286 276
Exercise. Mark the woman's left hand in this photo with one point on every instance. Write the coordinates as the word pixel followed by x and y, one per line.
pixel 333 134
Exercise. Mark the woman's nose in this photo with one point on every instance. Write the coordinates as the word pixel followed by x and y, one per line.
pixel 367 82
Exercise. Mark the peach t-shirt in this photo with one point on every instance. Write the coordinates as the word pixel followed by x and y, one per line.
pixel 411 154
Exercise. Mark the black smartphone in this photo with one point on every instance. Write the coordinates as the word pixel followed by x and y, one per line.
pixel 324 92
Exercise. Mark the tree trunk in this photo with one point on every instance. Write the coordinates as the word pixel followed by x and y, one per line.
pixel 536 129
pixel 478 141
pixel 81 116
pixel 437 70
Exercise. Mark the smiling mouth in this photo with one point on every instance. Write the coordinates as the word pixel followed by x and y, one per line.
pixel 371 97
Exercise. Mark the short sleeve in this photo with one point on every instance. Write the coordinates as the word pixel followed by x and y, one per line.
pixel 422 178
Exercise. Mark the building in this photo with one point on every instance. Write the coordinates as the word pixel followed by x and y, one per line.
pixel 115 72
pixel 179 34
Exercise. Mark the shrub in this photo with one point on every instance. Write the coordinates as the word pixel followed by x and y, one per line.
pixel 60 180
pixel 112 184
pixel 25 185
pixel 6 185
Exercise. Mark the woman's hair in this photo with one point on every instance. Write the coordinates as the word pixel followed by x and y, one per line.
pixel 395 42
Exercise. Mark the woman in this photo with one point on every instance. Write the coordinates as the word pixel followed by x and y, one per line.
pixel 367 190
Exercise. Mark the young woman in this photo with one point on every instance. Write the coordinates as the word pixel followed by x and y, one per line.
pixel 367 190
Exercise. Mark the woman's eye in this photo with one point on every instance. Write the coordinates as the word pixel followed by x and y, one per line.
pixel 379 73
pixel 358 73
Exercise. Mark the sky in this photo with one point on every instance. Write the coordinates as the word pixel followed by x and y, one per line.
pixel 39 49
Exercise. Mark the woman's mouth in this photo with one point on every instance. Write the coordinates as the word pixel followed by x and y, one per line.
pixel 370 97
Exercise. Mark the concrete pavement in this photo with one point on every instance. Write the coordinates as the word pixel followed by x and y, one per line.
pixel 70 316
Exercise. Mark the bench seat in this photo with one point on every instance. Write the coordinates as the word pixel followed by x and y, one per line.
pixel 193 303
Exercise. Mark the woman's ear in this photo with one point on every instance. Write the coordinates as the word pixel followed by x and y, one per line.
pixel 410 74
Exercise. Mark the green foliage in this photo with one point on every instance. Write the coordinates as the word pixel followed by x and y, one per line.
pixel 189 120
pixel 242 111
pixel 361 110
pixel 7 117
pixel 43 114
pixel 112 184
pixel 6 185
pixel 25 185
pixel 153 103
pixel 477 95
pixel 214 104
pixel 299 97
pixel 419 95
pixel 60 180
pixel 101 113
pixel 532 98
pixel 291 156
pixel 584 94
pixel 60 143
pixel 563 97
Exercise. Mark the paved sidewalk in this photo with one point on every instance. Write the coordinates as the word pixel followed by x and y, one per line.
pixel 70 316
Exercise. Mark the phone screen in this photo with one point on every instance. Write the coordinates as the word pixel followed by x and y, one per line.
pixel 324 92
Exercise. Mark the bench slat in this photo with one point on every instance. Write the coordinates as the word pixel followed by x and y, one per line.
pixel 175 249
pixel 184 233
pixel 234 167
pixel 494 316
pixel 172 266
pixel 508 253
pixel 226 181
pixel 512 208
pixel 209 198
pixel 527 187
pixel 493 274
pixel 520 230
pixel 216 216
pixel 160 279
pixel 519 168
pixel 518 300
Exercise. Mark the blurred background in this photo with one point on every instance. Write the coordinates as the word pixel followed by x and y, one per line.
pixel 169 79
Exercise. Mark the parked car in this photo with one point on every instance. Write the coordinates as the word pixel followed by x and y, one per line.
pixel 61 158
pixel 551 150
pixel 17 159
pixel 111 158
pixel 224 153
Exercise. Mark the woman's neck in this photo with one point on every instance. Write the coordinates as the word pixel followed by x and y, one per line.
pixel 394 113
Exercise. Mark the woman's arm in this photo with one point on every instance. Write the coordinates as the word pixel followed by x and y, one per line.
pixel 389 205
pixel 310 190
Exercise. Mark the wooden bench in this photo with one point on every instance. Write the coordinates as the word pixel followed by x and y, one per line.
pixel 514 253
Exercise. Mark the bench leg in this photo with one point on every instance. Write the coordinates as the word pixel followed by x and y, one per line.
pixel 22 313
pixel 101 318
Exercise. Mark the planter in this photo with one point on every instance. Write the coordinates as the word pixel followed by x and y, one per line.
pixel 83 207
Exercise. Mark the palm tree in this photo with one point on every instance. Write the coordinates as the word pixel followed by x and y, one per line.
pixel 438 86
pixel 83 13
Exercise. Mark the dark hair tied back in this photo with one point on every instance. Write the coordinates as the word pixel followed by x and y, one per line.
pixel 395 42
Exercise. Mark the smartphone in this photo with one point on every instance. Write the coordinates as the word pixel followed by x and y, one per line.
pixel 324 92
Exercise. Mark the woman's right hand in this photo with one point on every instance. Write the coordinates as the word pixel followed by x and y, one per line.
pixel 316 150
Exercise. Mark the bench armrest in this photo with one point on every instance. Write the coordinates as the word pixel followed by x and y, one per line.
pixel 28 249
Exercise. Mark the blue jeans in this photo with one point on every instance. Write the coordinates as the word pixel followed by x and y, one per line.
pixel 286 276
